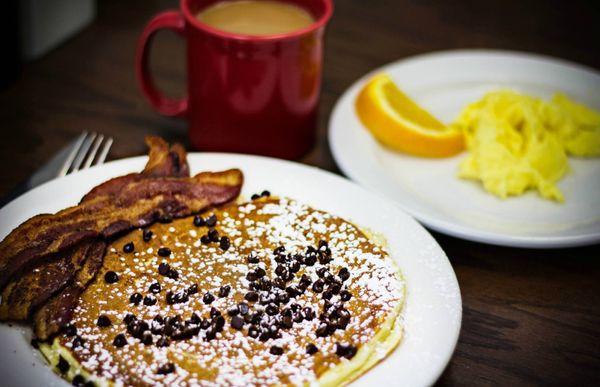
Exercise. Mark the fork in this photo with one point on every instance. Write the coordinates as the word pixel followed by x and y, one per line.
pixel 84 151
pixel 80 155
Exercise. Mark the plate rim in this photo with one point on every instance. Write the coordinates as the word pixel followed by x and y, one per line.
pixel 121 165
pixel 450 228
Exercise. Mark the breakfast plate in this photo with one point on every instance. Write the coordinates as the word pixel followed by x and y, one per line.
pixel 443 83
pixel 432 313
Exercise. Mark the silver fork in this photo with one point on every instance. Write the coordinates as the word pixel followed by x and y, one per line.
pixel 83 153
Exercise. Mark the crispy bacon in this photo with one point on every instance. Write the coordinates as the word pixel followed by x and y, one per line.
pixel 57 312
pixel 35 286
pixel 138 204
pixel 48 258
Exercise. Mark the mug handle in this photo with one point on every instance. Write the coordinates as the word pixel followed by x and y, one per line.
pixel 174 21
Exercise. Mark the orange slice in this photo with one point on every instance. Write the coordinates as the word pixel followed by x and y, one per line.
pixel 399 123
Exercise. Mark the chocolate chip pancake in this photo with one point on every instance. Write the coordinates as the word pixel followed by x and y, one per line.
pixel 266 292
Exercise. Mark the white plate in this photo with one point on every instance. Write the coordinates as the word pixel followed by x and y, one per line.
pixel 429 190
pixel 433 311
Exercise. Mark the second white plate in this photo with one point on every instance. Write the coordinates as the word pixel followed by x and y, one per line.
pixel 428 189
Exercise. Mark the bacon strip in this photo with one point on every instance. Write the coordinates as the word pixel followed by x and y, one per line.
pixel 58 311
pixel 35 286
pixel 138 204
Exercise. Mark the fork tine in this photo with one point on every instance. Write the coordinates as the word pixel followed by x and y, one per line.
pixel 90 157
pixel 83 151
pixel 67 164
pixel 104 151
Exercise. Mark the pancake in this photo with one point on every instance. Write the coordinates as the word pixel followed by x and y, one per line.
pixel 279 293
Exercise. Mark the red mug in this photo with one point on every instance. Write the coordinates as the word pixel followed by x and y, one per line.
pixel 248 94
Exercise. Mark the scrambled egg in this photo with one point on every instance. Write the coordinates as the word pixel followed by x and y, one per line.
pixel 518 142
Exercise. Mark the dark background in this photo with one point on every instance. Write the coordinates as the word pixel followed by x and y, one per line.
pixel 530 317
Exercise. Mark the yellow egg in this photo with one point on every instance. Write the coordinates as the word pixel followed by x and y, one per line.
pixel 518 142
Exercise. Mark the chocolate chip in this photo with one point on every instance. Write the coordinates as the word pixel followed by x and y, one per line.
pixel 294 267
pixel 159 319
pixel 242 308
pixel 119 340
pixel 154 287
pixel 251 296
pixel 265 193
pixel 224 291
pixel 78 381
pixel 208 298
pixel 279 250
pixel 233 311
pixel 70 330
pixel 213 235
pixel 276 350
pixel 164 252
pixel 237 322
pixel 129 318
pixel 128 248
pixel 293 291
pixel 214 312
pixel 264 336
pixel 163 342
pixel 272 309
pixel 166 369
pixel 311 349
pixel 281 271
pixel 322 271
pixel 327 295
pixel 335 288
pixel 205 239
pixel 322 243
pixel 310 260
pixel 103 321
pixel 173 274
pixel 111 277
pixel 345 350
pixel 298 317
pixel 192 289
pixel 164 268
pixel 218 323
pixel 147 235
pixel 78 341
pixel 199 221
pixel 305 281
pixel 279 282
pixel 210 334
pixel 253 332
pixel 260 272
pixel 204 324
pixel 309 314
pixel 283 298
pixel 254 196
pixel 149 300
pixel 344 274
pixel 318 286
pixel 224 243
pixel 177 297
pixel 211 221
pixel 62 365
pixel 146 338
pixel 252 258
pixel 251 276
pixel 286 322
pixel 137 328
pixel 323 330
pixel 345 295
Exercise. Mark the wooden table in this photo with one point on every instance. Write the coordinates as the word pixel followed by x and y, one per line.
pixel 530 316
